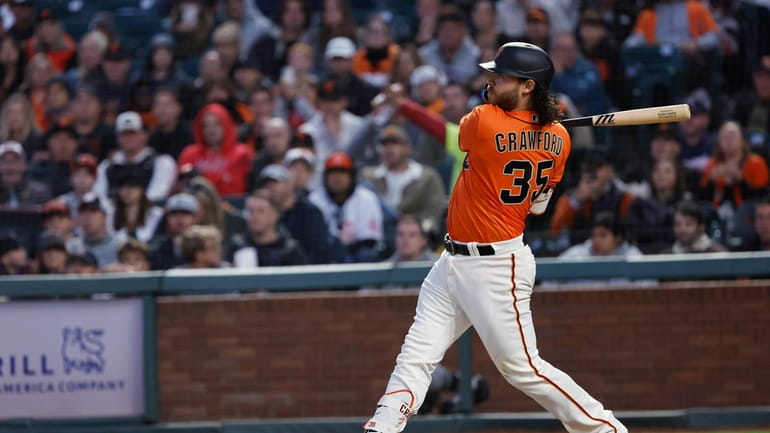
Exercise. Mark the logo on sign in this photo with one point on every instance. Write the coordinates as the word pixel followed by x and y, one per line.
pixel 82 350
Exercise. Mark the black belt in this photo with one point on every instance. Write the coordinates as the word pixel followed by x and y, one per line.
pixel 453 248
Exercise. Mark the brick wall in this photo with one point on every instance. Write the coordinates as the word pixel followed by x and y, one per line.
pixel 704 344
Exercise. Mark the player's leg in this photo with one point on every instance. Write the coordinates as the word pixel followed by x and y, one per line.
pixel 438 322
pixel 499 308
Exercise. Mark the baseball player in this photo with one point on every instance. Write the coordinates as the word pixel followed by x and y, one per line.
pixel 515 156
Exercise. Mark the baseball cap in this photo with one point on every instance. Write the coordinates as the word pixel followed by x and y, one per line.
pixel 9 242
pixel 275 172
pixel 699 101
pixel 339 161
pixel 55 207
pixel 62 126
pixel 300 154
pixel 49 240
pixel 85 161
pixel 537 14
pixel 162 40
pixel 183 202
pixel 128 121
pixel 340 47
pixel 331 90
pixel 116 52
pixel 46 15
pixel 12 146
pixel 91 201
pixel 425 73
pixel 394 134
pixel 763 65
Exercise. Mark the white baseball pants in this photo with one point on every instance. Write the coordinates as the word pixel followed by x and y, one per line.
pixel 492 293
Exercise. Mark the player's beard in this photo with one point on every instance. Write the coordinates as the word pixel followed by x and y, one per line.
pixel 507 101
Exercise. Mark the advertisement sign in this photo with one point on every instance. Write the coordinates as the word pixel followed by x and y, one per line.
pixel 71 359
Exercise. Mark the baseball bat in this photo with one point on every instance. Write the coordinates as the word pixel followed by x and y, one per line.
pixel 639 116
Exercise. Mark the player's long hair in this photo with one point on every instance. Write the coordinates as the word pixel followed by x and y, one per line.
pixel 546 106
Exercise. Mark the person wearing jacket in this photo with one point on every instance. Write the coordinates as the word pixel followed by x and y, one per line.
pixel 216 153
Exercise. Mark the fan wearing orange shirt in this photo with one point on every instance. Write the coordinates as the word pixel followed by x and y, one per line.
pixel 516 152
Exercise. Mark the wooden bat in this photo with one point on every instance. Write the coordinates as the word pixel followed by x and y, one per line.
pixel 639 116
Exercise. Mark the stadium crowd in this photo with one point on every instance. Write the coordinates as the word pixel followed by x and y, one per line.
pixel 159 134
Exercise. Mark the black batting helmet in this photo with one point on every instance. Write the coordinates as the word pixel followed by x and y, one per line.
pixel 523 60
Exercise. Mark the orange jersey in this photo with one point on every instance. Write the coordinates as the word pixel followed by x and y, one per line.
pixel 510 160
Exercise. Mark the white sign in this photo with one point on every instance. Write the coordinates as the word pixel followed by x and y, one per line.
pixel 71 359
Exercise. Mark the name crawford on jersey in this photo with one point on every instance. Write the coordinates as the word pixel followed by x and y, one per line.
pixel 528 139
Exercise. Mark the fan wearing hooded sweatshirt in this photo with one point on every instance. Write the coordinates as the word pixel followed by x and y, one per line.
pixel 216 153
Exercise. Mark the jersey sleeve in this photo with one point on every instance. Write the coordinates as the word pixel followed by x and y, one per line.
pixel 560 163
pixel 469 128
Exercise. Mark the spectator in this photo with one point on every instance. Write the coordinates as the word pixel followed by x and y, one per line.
pixel 90 54
pixel 52 40
pixel 596 192
pixel 51 254
pixel 406 62
pixel 404 184
pixel 333 128
pixel 216 153
pixel 158 170
pixel 762 225
pixel 270 51
pixel 55 169
pixel 191 24
pixel 161 69
pixel 599 47
pixel 751 107
pixel 411 241
pixel 202 248
pixel 687 25
pixel 650 220
pixel 297 85
pixel 277 136
pixel 93 135
pixel 113 90
pixel 12 63
pixel 538 28
pixel 226 39
pixel 37 73
pixel 301 163
pixel 253 23
pixel 576 76
pixel 374 61
pixel 662 145
pixel 135 215
pixel 97 238
pixel 264 244
pixel 16 189
pixel 486 34
pixel 246 78
pixel 697 141
pixel 352 212
pixel 57 100
pixel 17 123
pixel 301 217
pixel 172 133
pixel 733 174
pixel 426 84
pixel 262 107
pixel 13 256
pixel 210 70
pixel 512 16
pixel 133 256
pixel 83 179
pixel 182 212
pixel 690 231
pixel 81 264
pixel 607 239
pixel 336 21
pixel 453 50
pixel 57 219
pixel 23 26
pixel 339 55
pixel 426 22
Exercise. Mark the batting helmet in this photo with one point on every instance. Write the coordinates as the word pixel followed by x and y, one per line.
pixel 523 60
